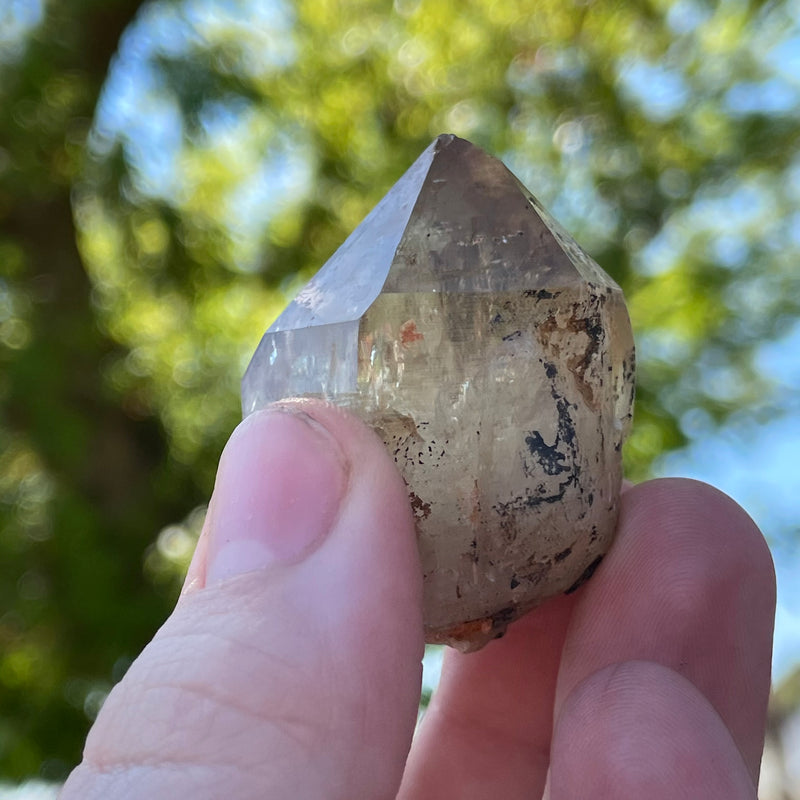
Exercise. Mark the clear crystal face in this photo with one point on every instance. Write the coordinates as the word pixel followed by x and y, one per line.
pixel 495 359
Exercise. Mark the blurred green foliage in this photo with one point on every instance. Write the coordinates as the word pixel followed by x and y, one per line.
pixel 171 171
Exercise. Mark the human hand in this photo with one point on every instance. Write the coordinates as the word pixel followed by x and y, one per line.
pixel 290 667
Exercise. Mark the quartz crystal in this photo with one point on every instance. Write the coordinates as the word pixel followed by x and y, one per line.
pixel 495 359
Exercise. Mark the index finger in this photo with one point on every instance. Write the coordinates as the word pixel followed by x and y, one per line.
pixel 689 585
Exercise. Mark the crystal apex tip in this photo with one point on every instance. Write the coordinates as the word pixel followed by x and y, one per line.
pixel 443 140
pixel 446 140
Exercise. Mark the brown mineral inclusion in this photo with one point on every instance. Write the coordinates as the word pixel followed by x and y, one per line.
pixel 496 361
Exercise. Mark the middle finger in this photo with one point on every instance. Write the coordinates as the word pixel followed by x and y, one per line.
pixel 487 731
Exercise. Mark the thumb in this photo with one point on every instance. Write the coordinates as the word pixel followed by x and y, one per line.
pixel 291 664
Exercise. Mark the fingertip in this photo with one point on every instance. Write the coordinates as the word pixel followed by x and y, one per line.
pixel 689 583
pixel 638 729
pixel 690 512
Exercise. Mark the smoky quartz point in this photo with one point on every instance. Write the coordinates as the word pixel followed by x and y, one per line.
pixel 495 359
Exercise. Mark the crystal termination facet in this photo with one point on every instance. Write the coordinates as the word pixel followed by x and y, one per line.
pixel 496 361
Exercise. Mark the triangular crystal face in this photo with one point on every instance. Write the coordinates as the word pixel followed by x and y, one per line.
pixel 476 228
pixel 354 275
pixel 495 360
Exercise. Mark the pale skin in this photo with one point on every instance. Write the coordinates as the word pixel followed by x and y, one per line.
pixel 290 667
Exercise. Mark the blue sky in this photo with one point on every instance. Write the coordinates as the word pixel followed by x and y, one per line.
pixel 758 465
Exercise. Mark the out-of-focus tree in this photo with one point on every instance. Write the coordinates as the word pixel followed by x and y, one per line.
pixel 84 482
pixel 209 155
